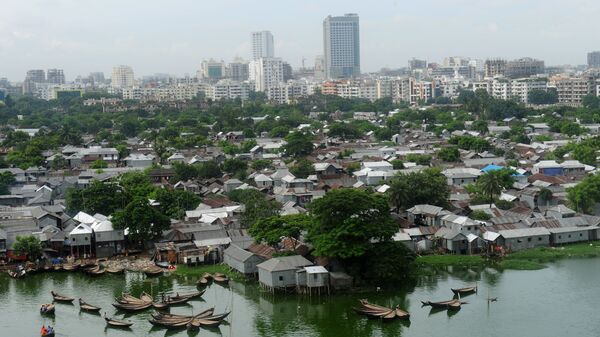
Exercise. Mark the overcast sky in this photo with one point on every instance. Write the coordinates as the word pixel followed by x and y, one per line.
pixel 174 36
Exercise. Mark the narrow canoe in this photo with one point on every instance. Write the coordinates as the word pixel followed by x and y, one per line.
pixel 60 298
pixel 88 307
pixel 463 291
pixel 47 309
pixel 117 323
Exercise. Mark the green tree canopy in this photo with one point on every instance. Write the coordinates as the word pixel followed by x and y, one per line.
pixel 493 182
pixel 302 168
pixel 346 220
pixel 28 245
pixel 272 229
pixel 144 221
pixel 299 144
pixel 429 186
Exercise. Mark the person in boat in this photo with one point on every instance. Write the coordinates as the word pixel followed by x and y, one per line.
pixel 44 308
pixel 50 330
pixel 43 331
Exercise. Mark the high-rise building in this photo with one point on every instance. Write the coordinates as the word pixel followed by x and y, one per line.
pixel 287 72
pixel 414 64
pixel 266 72
pixel 238 70
pixel 55 76
pixel 212 70
pixel 524 67
pixel 97 78
pixel 593 59
pixel 341 46
pixel 32 78
pixel 122 77
pixel 319 68
pixel 262 45
pixel 495 67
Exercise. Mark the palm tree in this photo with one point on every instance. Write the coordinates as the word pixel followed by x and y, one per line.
pixel 493 182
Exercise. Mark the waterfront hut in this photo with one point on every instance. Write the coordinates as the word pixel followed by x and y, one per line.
pixel 313 278
pixel 3 237
pixel 563 235
pixel 524 238
pixel 108 240
pixel 80 239
pixel 452 240
pixel 280 272
pixel 242 260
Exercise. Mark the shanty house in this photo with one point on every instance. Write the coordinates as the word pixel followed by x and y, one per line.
pixel 280 272
pixel 242 260
pixel 524 238
pixel 564 235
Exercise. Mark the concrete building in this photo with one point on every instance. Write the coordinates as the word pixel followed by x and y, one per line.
pixel 593 59
pixel 524 67
pixel 414 64
pixel 32 79
pixel 229 89
pixel 572 90
pixel 238 70
pixel 494 67
pixel 341 46
pixel 55 76
pixel 266 72
pixel 262 45
pixel 212 70
pixel 122 77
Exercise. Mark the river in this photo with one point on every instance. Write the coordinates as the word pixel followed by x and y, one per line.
pixel 560 300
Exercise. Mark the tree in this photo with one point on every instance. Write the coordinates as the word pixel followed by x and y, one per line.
pixel 493 182
pixel 449 154
pixel 209 169
pixel 388 261
pixel 272 229
pixel 343 131
pixel 590 101
pixel 299 144
pixel 303 168
pixel 59 163
pixel 28 245
pixel 544 196
pixel 540 96
pixel 98 164
pixel 185 172
pixel 583 196
pixel 479 215
pixel 145 222
pixel 174 203
pixel 420 159
pixel 480 126
pixel 99 197
pixel 236 167
pixel 347 220
pixel 136 184
pixel 261 164
pixel 256 206
pixel 6 180
pixel 123 151
pixel 429 186
pixel 397 164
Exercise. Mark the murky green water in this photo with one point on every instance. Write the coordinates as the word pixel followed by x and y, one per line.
pixel 561 300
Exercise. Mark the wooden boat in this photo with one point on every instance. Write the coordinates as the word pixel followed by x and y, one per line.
pixel 47 268
pixel 162 264
pixel 146 297
pixel 464 291
pixel 132 307
pixel 180 324
pixel 196 323
pixel 60 298
pixel 220 279
pixel 153 271
pixel 218 317
pixel 450 304
pixel 115 270
pixel 58 267
pixel 70 267
pixel 162 316
pixel 377 311
pixel 88 307
pixel 203 281
pixel 16 274
pixel 46 333
pixel 47 309
pixel 96 272
pixel 401 313
pixel 117 323
pixel 190 295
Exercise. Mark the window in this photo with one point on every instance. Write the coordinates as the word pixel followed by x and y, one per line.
pixel 569 235
pixel 580 234
pixel 280 278
pixel 528 239
pixel 560 236
pixel 315 276
pixel 540 238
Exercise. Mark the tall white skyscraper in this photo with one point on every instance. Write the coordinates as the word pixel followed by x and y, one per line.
pixel 266 72
pixel 341 40
pixel 122 77
pixel 262 45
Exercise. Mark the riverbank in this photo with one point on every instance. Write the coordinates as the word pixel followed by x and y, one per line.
pixel 530 259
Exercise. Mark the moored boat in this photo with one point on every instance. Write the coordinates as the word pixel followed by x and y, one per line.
pixel 450 304
pixel 117 323
pixel 88 307
pixel 464 291
pixel 115 270
pixel 60 298
pixel 153 271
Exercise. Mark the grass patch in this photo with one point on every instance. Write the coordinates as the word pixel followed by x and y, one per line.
pixel 198 271
pixel 521 265
pixel 450 260
pixel 547 254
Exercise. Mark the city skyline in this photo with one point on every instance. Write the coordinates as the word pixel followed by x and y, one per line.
pixel 30 38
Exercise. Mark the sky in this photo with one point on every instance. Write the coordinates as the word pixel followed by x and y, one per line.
pixel 174 36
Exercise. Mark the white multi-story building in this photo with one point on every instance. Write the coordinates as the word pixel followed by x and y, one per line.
pixel 229 89
pixel 262 45
pixel 266 72
pixel 167 93
pixel 289 92
pixel 122 77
